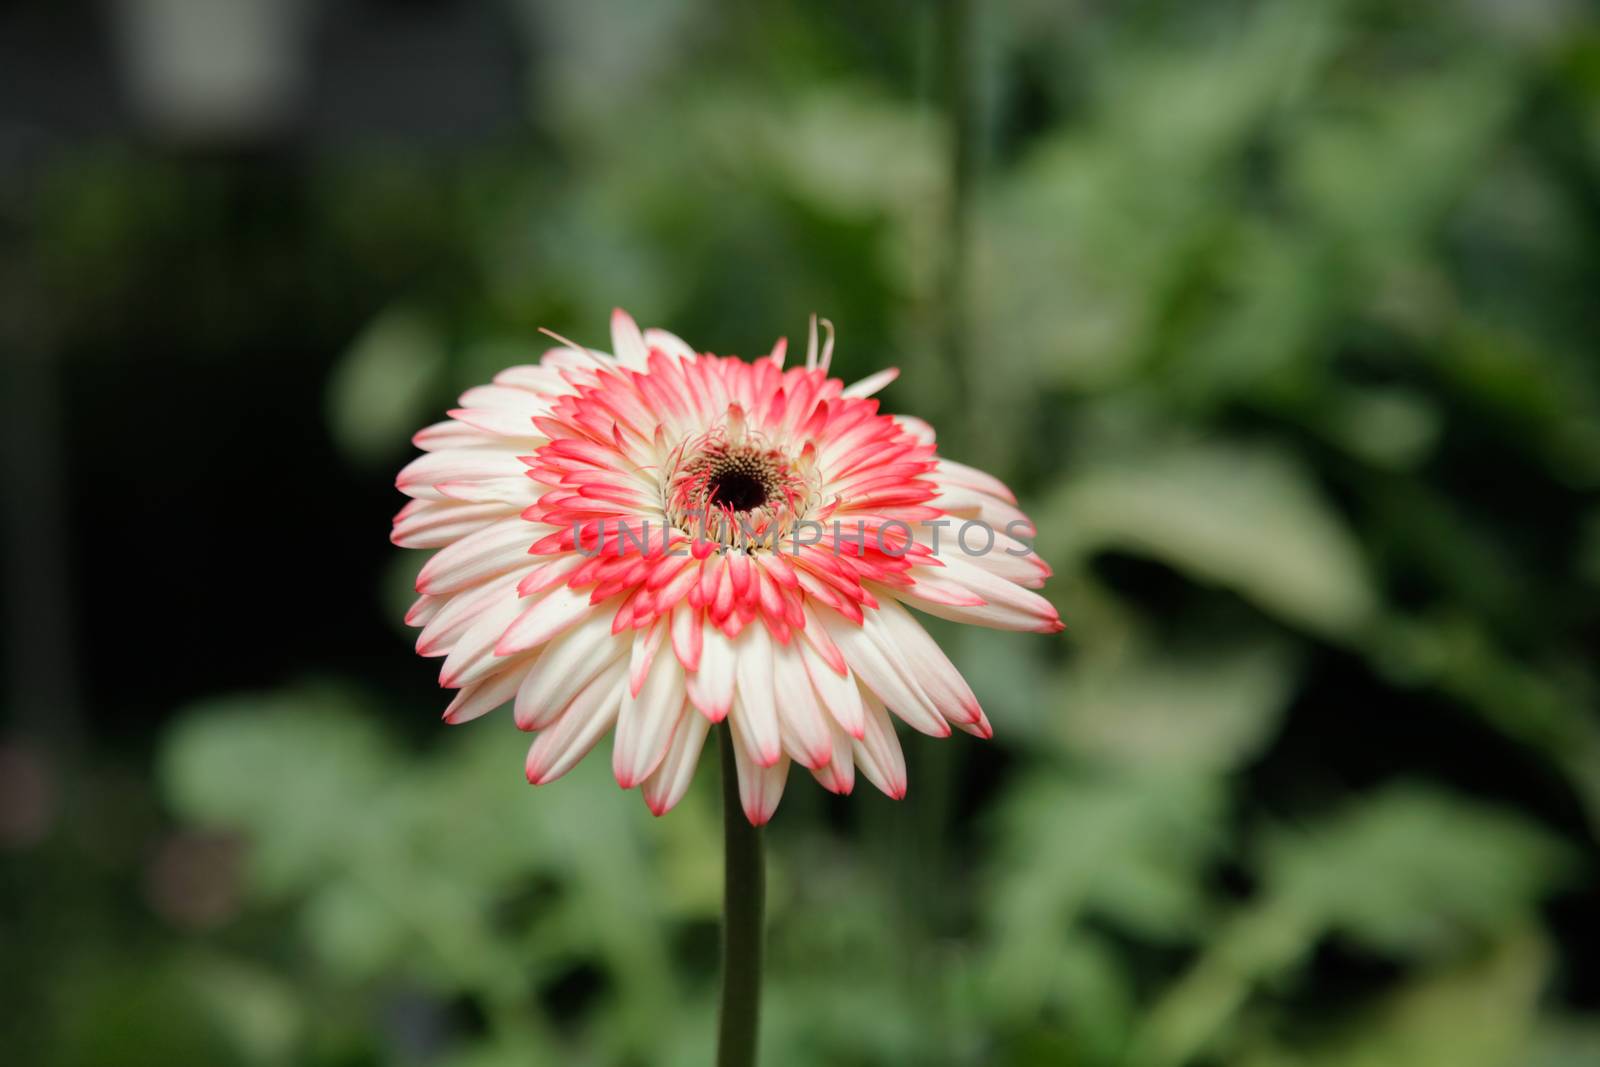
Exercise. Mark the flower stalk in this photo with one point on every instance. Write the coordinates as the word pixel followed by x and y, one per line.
pixel 743 906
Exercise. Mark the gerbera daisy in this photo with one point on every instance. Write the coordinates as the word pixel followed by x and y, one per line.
pixel 650 542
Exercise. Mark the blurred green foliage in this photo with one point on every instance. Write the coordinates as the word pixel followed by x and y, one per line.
pixel 1280 317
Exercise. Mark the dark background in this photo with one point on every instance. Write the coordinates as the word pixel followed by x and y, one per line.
pixel 1279 316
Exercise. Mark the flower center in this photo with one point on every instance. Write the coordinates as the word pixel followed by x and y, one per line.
pixel 741 484
pixel 740 495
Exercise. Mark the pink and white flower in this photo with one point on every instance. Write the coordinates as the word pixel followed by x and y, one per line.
pixel 651 542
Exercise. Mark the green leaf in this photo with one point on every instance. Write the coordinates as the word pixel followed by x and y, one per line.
pixel 1477 1014
pixel 379 392
pixel 1128 847
pixel 1411 871
pixel 1196 711
pixel 298 771
pixel 1245 517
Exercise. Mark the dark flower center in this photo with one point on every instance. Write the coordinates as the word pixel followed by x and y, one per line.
pixel 733 494
pixel 737 487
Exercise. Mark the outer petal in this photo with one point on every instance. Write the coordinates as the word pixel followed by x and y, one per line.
pixel 459 611
pixel 878 752
pixel 839 694
pixel 433 524
pixel 425 609
pixel 803 723
pixel 554 614
pixel 645 645
pixel 872 383
pixel 757 706
pixel 423 475
pixel 626 341
pixel 712 686
pixel 902 638
pixel 838 775
pixel 567 664
pixel 1007 606
pixel 670 781
pixel 645 723
pixel 473 655
pixel 670 343
pixel 581 725
pixel 952 473
pixel 882 676
pixel 493 550
pixel 480 698
pixel 688 636
pixel 760 787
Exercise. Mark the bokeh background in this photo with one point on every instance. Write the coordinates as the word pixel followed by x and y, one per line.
pixel 1281 317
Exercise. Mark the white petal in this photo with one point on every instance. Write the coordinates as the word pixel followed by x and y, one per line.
pixel 670 343
pixel 1027 571
pixel 838 775
pixel 878 752
pixel 803 724
pixel 575 357
pixel 757 703
pixel 437 523
pixel 480 698
pixel 515 423
pixel 425 609
pixel 473 656
pixel 579 727
pixel 839 694
pixel 872 383
pixel 554 614
pixel 950 472
pixel 515 492
pixel 541 380
pixel 882 676
pixel 915 427
pixel 551 573
pixel 1008 557
pixel 688 636
pixel 1007 606
pixel 971 504
pixel 901 638
pixel 645 722
pixel 760 788
pixel 932 588
pixel 509 400
pixel 493 550
pixel 421 477
pixel 670 781
pixel 463 609
pixel 450 435
pixel 645 645
pixel 711 687
pixel 567 664
pixel 627 342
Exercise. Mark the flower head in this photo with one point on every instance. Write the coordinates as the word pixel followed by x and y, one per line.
pixel 651 542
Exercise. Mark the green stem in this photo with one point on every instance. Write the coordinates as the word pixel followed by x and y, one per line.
pixel 743 899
